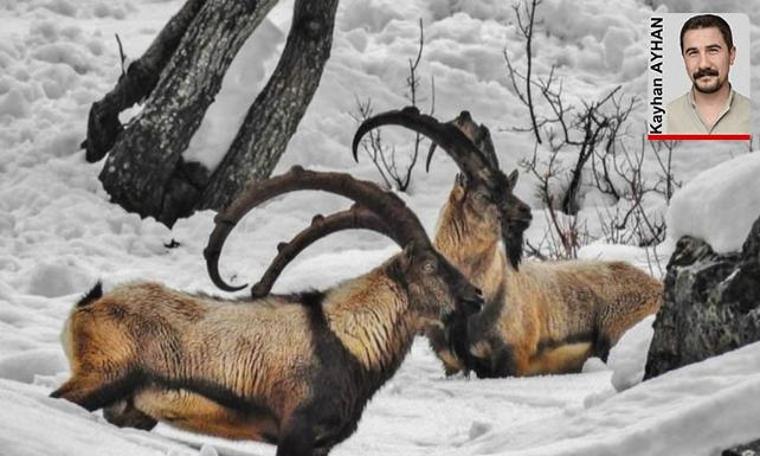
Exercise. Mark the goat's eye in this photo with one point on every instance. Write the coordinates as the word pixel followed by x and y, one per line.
pixel 428 267
pixel 482 197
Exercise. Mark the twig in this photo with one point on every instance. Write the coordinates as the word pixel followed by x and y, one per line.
pixel 122 57
pixel 385 159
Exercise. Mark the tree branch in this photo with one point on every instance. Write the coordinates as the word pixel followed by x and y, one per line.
pixel 103 125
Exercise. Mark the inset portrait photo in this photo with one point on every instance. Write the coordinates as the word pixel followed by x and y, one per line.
pixel 699 83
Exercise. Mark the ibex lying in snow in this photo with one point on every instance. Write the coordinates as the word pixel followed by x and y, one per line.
pixel 539 318
pixel 295 370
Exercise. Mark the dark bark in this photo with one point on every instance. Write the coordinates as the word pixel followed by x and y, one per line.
pixel 103 125
pixel 277 111
pixel 144 172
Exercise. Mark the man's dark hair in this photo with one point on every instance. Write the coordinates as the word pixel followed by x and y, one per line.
pixel 706 21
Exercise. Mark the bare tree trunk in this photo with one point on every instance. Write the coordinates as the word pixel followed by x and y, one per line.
pixel 277 111
pixel 103 125
pixel 140 173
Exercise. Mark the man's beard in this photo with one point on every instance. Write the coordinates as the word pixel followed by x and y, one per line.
pixel 712 88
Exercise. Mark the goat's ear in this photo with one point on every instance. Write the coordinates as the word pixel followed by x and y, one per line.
pixel 512 178
pixel 407 255
pixel 458 192
pixel 409 259
pixel 483 134
pixel 461 180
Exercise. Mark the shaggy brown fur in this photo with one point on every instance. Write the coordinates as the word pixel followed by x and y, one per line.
pixel 545 318
pixel 294 370
pixel 272 369
pixel 542 318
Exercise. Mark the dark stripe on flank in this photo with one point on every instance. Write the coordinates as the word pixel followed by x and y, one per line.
pixel 312 299
pixel 217 393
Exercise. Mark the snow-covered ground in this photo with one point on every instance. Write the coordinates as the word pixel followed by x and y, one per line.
pixel 58 233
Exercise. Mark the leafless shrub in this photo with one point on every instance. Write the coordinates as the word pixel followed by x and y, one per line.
pixel 666 182
pixel 525 23
pixel 631 223
pixel 394 174
pixel 581 130
pixel 565 233
pixel 653 262
pixel 583 134
pixel 586 142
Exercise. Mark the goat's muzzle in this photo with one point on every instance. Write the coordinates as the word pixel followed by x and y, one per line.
pixel 473 304
pixel 518 219
pixel 468 302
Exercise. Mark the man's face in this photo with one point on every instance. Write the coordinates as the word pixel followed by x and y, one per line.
pixel 707 58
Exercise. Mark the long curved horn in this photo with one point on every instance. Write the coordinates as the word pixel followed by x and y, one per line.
pixel 484 143
pixel 448 136
pixel 429 158
pixel 480 136
pixel 401 221
pixel 458 138
pixel 357 217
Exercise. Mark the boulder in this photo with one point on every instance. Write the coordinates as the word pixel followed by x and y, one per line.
pixel 711 305
pixel 750 449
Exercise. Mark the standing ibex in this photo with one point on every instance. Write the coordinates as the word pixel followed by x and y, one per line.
pixel 295 370
pixel 541 318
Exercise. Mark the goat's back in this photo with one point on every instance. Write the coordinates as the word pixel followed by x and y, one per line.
pixel 575 299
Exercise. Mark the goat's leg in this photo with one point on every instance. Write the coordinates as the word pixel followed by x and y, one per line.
pixel 333 418
pixel 492 357
pixel 440 345
pixel 124 414
pixel 564 359
pixel 602 346
pixel 316 427
pixel 93 390
pixel 197 413
pixel 297 436
pixel 503 359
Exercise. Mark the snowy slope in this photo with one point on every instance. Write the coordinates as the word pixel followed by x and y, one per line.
pixel 58 233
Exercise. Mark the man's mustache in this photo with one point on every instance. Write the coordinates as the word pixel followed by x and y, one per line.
pixel 705 72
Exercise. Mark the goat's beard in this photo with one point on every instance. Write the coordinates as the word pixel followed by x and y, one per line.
pixel 513 244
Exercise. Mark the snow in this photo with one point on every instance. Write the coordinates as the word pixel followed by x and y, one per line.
pixel 14 104
pixel 69 430
pixel 629 356
pixel 59 234
pixel 243 80
pixel 698 409
pixel 719 205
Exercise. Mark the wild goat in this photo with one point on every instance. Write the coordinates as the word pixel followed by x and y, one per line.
pixel 295 370
pixel 539 318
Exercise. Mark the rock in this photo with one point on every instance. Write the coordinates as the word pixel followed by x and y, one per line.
pixel 711 306
pixel 750 449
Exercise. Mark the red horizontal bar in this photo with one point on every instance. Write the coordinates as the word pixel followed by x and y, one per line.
pixel 716 137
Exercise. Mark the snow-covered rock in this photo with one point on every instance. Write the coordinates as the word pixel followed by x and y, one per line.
pixel 711 303
pixel 719 205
